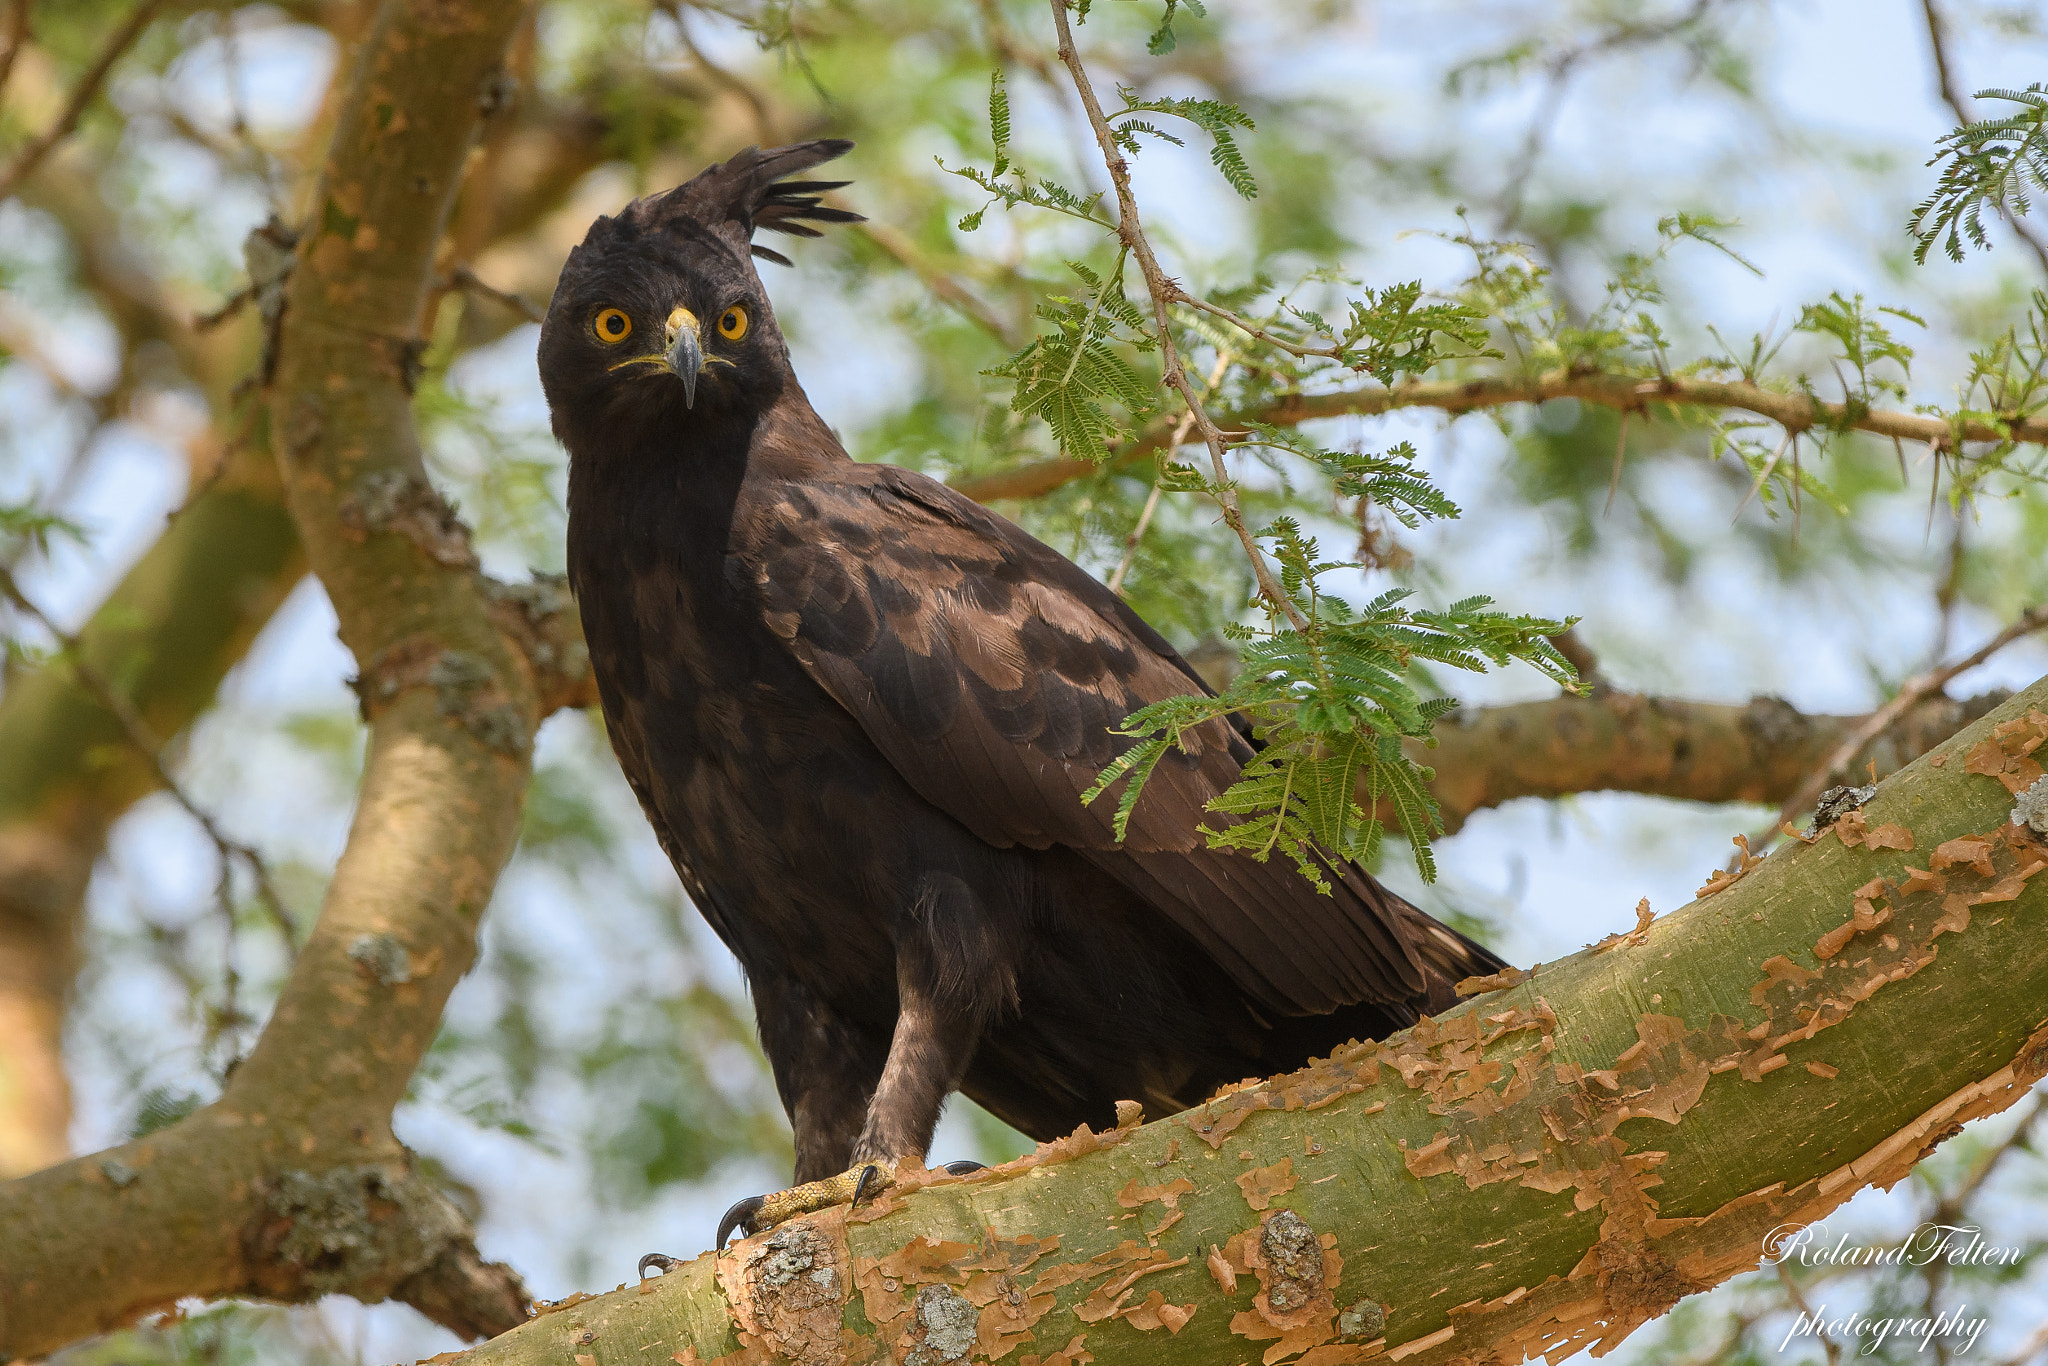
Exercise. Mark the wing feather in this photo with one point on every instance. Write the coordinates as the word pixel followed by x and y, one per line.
pixel 990 671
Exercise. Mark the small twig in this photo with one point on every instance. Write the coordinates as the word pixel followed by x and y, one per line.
pixel 1828 1344
pixel 144 740
pixel 1251 329
pixel 17 38
pixel 1945 595
pixel 82 96
pixel 464 279
pixel 1180 434
pixel 939 282
pixel 764 121
pixel 1163 291
pixel 236 302
pixel 245 137
pixel 1911 692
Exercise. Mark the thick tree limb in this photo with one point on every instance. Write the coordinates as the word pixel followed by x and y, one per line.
pixel 291 1185
pixel 178 621
pixel 1666 747
pixel 1628 393
pixel 1543 1169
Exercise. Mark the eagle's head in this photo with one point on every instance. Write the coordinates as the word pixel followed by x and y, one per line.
pixel 660 312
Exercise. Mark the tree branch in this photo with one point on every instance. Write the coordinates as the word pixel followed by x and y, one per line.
pixel 1910 694
pixel 1666 747
pixel 1542 1169
pixel 1627 393
pixel 82 96
pixel 1163 292
pixel 169 632
pixel 291 1185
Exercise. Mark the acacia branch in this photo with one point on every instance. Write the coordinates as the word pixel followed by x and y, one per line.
pixel 1625 393
pixel 1542 1169
pixel 1131 231
pixel 1658 746
pixel 291 1185
pixel 188 609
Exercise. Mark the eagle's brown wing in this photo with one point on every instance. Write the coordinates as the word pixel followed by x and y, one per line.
pixel 989 670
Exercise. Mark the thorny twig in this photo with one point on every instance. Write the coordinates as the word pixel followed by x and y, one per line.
pixel 1911 692
pixel 1251 329
pixel 1164 293
pixel 1180 434
pixel 82 96
pixel 1609 389
pixel 144 740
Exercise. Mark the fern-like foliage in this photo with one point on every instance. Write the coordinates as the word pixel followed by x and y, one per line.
pixel 1993 165
pixel 1218 118
pixel 1333 701
pixel 1066 376
pixel 1866 341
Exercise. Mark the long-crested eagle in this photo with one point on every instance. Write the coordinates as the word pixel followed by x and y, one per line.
pixel 860 710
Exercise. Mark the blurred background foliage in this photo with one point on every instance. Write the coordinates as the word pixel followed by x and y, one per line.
pixel 596 1091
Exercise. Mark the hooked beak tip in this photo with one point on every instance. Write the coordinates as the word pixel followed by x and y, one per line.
pixel 686 359
pixel 685 351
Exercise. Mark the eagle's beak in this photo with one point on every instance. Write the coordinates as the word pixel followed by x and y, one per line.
pixel 685 352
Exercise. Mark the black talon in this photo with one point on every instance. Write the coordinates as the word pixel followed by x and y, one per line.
pixel 964 1166
pixel 737 1217
pixel 657 1259
pixel 860 1187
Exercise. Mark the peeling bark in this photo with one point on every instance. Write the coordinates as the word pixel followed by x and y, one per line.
pixel 1543 1169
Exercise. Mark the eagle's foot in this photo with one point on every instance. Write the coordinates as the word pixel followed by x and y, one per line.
pixel 759 1213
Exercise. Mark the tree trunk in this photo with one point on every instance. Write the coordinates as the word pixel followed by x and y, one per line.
pixel 1542 1169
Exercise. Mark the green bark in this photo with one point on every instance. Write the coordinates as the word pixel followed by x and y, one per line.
pixel 1542 1169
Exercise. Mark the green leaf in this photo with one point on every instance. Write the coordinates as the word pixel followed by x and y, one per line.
pixel 1993 165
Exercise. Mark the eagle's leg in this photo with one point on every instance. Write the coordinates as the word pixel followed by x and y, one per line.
pixel 857 1112
pixel 934 1040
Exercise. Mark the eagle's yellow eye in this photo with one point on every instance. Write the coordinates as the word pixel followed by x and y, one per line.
pixel 732 324
pixel 613 326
